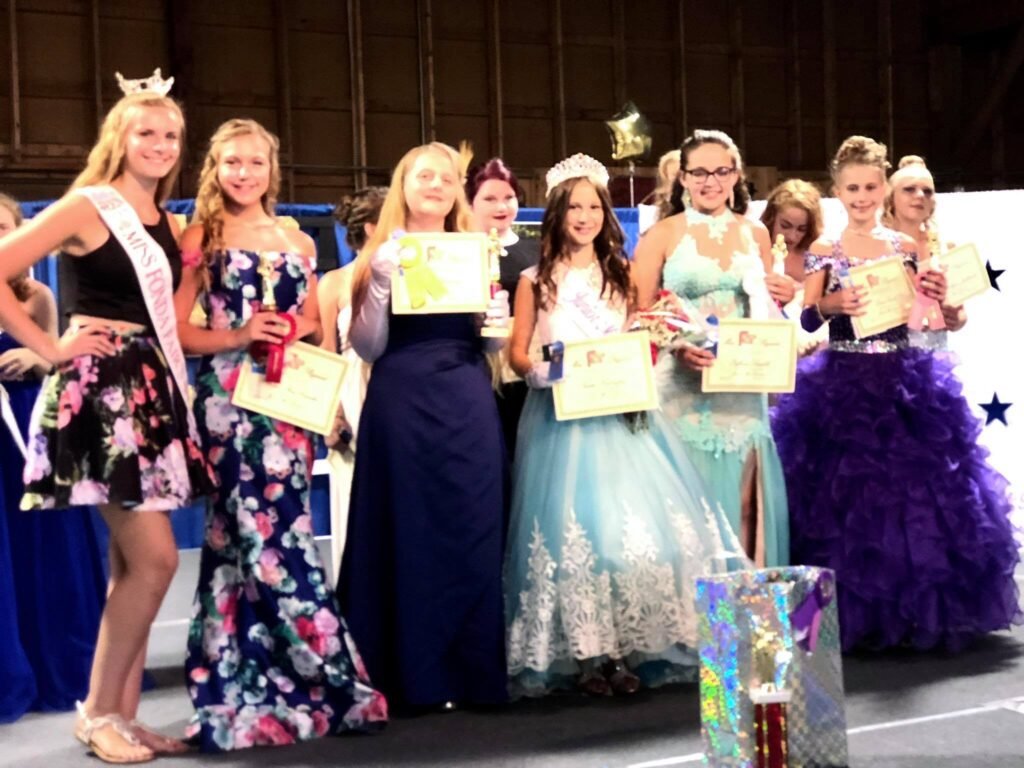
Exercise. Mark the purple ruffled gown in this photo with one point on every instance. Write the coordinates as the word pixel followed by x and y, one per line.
pixel 888 486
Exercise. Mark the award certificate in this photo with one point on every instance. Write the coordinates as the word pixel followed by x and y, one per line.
pixel 889 293
pixel 307 395
pixel 612 374
pixel 441 272
pixel 753 356
pixel 966 276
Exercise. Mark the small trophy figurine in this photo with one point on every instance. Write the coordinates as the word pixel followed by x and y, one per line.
pixel 495 251
pixel 266 271
pixel 935 248
pixel 266 355
pixel 927 313
pixel 779 254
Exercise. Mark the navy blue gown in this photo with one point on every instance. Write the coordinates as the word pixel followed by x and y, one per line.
pixel 420 581
pixel 53 585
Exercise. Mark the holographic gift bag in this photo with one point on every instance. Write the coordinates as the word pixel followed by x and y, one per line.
pixel 771 630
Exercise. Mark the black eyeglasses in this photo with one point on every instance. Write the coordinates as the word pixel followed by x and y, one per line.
pixel 701 174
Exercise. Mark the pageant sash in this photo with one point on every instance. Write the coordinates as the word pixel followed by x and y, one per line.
pixel 154 273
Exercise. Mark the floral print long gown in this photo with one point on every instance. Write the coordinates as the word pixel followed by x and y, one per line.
pixel 270 660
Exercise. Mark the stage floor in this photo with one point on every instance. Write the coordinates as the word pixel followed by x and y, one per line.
pixel 905 710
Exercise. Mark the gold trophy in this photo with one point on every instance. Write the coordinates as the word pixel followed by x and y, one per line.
pixel 495 251
pixel 266 271
pixel 779 254
pixel 269 356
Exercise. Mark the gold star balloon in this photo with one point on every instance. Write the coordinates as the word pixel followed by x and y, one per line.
pixel 630 132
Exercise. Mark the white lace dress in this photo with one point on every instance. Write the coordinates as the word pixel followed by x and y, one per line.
pixel 608 529
pixel 341 460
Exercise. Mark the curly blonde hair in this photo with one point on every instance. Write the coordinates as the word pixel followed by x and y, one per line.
pixel 859 150
pixel 106 160
pixel 796 193
pixel 210 197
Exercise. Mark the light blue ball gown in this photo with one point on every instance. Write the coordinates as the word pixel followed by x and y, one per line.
pixel 608 527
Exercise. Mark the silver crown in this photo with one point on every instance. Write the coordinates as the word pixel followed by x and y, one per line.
pixel 577 167
pixel 152 84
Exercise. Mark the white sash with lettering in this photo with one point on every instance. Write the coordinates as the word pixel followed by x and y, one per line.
pixel 154 273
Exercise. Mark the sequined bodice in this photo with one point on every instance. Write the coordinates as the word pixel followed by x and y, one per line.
pixel 840 333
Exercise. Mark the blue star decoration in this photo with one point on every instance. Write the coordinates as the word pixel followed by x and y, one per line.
pixel 993 274
pixel 995 411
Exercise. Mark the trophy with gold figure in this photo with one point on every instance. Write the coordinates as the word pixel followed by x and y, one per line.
pixel 779 254
pixel 495 251
pixel 268 356
pixel 926 312
pixel 771 703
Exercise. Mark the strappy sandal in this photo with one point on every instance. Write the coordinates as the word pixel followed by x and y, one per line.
pixel 87 726
pixel 160 743
pixel 621 680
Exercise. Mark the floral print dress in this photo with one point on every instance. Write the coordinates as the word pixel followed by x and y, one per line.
pixel 270 660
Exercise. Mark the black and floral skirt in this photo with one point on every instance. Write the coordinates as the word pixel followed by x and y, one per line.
pixel 114 430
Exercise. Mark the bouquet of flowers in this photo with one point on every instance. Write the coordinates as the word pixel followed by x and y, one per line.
pixel 672 323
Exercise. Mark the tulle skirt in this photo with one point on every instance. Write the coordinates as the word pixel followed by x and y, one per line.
pixel 609 530
pixel 888 486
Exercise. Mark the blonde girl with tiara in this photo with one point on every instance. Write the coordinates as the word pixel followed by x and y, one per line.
pixel 269 658
pixel 112 425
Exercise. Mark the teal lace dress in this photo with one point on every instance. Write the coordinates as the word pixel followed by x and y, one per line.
pixel 727 436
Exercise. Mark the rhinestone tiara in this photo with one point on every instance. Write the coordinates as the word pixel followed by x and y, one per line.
pixel 152 84
pixel 576 167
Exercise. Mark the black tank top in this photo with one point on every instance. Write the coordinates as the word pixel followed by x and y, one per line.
pixel 103 283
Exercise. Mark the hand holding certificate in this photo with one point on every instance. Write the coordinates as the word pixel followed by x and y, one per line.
pixel 609 375
pixel 889 293
pixel 753 356
pixel 307 394
pixel 966 276
pixel 441 272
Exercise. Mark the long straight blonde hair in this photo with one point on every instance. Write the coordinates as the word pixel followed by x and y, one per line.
pixel 395 212
pixel 106 160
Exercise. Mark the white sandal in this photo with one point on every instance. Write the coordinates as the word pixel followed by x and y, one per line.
pixel 87 726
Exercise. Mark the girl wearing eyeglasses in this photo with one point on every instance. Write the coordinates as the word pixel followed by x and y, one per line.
pixel 707 252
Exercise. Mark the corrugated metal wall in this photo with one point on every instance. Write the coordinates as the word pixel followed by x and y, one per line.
pixel 349 85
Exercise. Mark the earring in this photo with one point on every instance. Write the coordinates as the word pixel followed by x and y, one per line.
pixel 687 202
pixel 732 198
